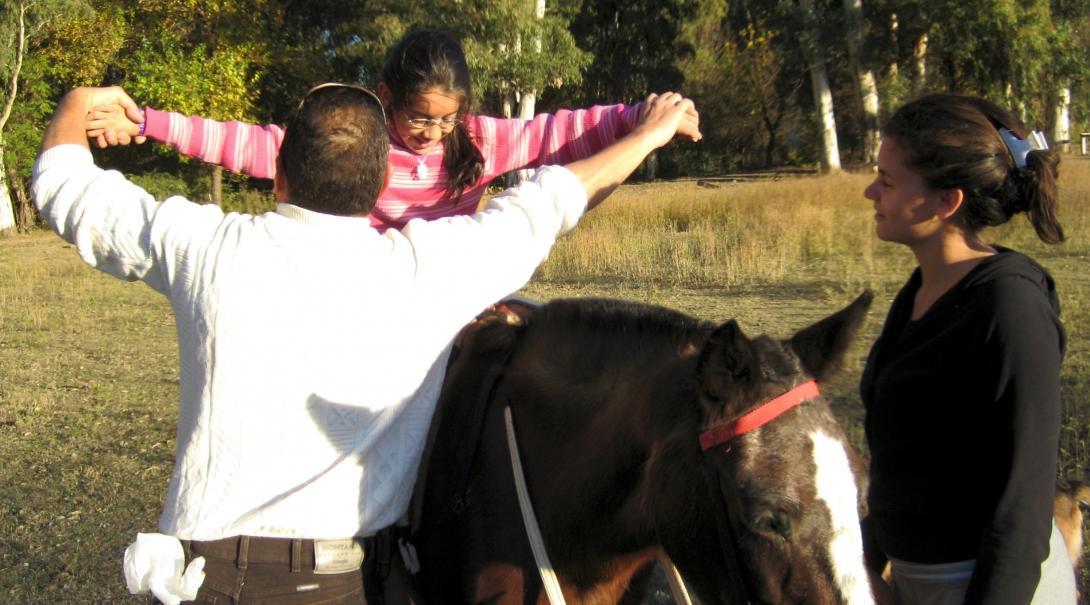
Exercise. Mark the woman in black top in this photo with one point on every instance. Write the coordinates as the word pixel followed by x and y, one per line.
pixel 962 388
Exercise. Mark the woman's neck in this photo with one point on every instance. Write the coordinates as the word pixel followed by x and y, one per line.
pixel 944 260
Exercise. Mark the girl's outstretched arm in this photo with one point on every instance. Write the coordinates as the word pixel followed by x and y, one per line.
pixel 237 146
pixel 562 137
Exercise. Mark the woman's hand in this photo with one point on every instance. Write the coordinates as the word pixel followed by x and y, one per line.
pixel 115 124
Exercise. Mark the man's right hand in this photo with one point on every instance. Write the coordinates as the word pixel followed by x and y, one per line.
pixel 661 118
pixel 669 114
pixel 115 123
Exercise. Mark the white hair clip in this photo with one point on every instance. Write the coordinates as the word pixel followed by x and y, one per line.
pixel 1020 149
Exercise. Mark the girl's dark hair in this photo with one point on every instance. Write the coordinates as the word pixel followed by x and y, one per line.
pixel 953 141
pixel 431 58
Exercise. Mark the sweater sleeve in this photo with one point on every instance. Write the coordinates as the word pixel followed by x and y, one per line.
pixel 1027 342
pixel 559 138
pixel 116 226
pixel 473 261
pixel 236 146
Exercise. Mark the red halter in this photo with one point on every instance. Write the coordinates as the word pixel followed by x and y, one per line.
pixel 759 416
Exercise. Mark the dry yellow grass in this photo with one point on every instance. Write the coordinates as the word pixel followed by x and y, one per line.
pixel 759 233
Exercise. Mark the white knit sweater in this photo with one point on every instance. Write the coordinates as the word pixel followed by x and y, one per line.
pixel 312 347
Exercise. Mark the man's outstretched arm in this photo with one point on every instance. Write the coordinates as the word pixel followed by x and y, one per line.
pixel 662 117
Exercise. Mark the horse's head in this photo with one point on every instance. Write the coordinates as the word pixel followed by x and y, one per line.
pixel 784 472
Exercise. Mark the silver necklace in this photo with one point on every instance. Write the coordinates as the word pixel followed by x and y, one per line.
pixel 421 171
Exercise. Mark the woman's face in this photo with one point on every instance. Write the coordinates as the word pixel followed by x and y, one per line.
pixel 905 209
pixel 428 117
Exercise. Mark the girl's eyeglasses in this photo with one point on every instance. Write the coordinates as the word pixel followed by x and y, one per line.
pixel 444 124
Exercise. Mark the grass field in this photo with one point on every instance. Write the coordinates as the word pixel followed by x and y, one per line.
pixel 88 365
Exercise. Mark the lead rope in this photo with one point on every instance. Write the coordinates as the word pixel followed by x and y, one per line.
pixel 533 532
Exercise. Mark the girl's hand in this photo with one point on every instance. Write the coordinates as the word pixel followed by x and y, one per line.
pixel 690 125
pixel 114 124
pixel 669 114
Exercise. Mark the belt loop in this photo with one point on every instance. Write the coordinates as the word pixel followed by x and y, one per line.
pixel 296 555
pixel 243 552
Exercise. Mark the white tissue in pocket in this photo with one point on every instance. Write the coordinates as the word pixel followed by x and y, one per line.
pixel 156 563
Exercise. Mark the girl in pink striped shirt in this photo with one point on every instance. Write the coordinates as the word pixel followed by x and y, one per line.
pixel 442 156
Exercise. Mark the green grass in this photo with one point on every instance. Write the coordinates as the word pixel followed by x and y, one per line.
pixel 88 364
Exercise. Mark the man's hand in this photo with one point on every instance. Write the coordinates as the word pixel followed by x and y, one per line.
pixel 69 119
pixel 115 124
pixel 658 107
pixel 661 118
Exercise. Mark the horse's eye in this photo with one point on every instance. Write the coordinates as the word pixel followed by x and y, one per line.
pixel 1084 506
pixel 774 522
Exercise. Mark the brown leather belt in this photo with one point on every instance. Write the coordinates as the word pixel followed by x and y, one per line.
pixel 296 552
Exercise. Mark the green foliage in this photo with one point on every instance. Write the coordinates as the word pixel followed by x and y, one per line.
pixel 515 51
pixel 635 45
pixel 23 133
pixel 219 84
pixel 742 60
pixel 748 97
pixel 97 34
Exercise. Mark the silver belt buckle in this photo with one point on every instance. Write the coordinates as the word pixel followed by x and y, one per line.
pixel 337 556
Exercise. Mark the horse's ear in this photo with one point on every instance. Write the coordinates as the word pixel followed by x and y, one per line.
pixel 728 364
pixel 821 347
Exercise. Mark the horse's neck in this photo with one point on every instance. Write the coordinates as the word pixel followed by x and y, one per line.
pixel 604 431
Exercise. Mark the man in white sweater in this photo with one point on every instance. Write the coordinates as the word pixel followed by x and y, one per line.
pixel 312 347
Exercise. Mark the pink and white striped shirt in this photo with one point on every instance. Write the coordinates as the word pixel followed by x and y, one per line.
pixel 505 144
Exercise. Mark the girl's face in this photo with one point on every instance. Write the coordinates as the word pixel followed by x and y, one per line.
pixel 906 211
pixel 429 116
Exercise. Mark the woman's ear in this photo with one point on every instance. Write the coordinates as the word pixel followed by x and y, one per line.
pixel 950 201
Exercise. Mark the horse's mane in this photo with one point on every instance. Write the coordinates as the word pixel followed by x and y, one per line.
pixel 624 320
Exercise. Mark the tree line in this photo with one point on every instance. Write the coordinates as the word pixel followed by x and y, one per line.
pixel 777 82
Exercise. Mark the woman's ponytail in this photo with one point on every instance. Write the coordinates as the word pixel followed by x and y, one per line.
pixel 1039 190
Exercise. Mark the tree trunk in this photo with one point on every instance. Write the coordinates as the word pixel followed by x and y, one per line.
pixel 823 99
pixel 528 98
pixel 25 214
pixel 868 88
pixel 823 96
pixel 894 25
pixel 507 104
pixel 217 185
pixel 7 213
pixel 651 165
pixel 919 65
pixel 1061 120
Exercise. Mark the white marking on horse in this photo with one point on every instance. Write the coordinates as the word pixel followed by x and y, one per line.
pixel 835 485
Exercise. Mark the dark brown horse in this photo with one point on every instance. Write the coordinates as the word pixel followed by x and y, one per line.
pixel 609 399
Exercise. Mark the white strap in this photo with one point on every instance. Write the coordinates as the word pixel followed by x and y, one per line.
pixel 533 532
pixel 673 578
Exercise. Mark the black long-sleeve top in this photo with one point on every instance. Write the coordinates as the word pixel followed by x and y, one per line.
pixel 963 421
